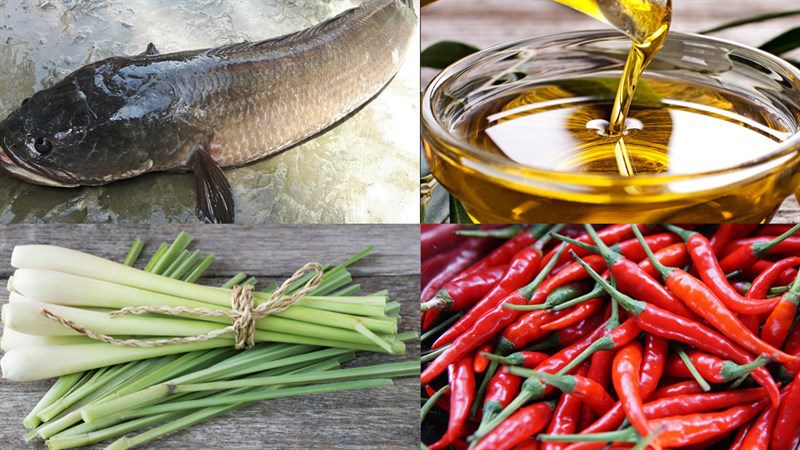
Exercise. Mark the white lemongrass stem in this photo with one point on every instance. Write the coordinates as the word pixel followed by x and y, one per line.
pixel 70 261
pixel 60 288
pixel 14 339
pixel 24 315
pixel 38 363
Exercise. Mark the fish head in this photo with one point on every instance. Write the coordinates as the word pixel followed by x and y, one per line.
pixel 62 137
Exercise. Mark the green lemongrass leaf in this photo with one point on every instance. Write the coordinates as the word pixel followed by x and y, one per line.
pixel 134 252
pixel 783 43
pixel 61 387
pixel 236 279
pixel 156 257
pixel 442 54
pixel 178 246
pixel 753 19
pixel 457 212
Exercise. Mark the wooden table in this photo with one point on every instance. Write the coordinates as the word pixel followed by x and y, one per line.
pixel 384 418
pixel 488 22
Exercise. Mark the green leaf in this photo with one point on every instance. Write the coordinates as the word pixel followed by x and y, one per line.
pixel 787 41
pixel 754 19
pixel 457 212
pixel 442 54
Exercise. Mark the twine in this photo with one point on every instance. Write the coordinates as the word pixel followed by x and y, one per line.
pixel 243 313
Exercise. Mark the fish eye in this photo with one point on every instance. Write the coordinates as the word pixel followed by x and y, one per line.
pixel 43 146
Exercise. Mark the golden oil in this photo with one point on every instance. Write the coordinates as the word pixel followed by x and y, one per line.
pixel 556 134
pixel 646 23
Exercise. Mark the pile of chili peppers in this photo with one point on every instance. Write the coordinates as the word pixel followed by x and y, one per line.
pixel 623 336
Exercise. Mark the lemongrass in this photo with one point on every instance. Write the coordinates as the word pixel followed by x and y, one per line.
pixel 178 246
pixel 25 316
pixel 11 340
pixel 71 290
pixel 134 252
pixel 59 388
pixel 156 256
pixel 198 270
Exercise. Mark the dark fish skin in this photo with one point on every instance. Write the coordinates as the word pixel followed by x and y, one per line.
pixel 125 116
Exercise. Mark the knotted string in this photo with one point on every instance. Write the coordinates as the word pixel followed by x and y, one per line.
pixel 243 313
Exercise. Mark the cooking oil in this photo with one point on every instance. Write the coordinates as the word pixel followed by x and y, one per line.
pixel 673 127
pixel 646 23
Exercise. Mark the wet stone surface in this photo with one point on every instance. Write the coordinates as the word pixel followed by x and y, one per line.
pixel 345 175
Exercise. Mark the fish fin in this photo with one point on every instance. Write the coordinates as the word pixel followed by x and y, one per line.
pixel 151 50
pixel 214 194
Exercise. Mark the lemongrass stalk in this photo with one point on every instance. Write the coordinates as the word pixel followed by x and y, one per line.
pixel 25 316
pixel 37 363
pixel 56 391
pixel 11 340
pixel 99 434
pixel 69 290
pixel 98 380
pixel 94 432
pixel 236 279
pixel 71 441
pixel 251 281
pixel 156 256
pixel 353 289
pixel 134 252
pixel 178 246
pixel 128 442
pixel 390 370
pixel 184 255
pixel 198 270
pixel 255 360
pixel 407 336
pixel 185 265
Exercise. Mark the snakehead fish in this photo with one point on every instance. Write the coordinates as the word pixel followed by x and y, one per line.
pixel 204 110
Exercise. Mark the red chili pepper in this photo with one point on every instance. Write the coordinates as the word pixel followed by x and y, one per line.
pixel 653 364
pixel 462 391
pixel 632 249
pixel 467 253
pixel 694 428
pixel 625 377
pixel 600 372
pixel 610 236
pixel 524 358
pixel 520 271
pixel 785 277
pixel 527 444
pixel 565 419
pixel 524 423
pixel 436 239
pixel 675 255
pixel 712 368
pixel 713 276
pixel 670 326
pixel 786 434
pixel 792 344
pixel 479 362
pixel 444 402
pixel 726 232
pixel 577 314
pixel 779 322
pixel 586 389
pixel 738 440
pixel 680 388
pixel 632 280
pixel 505 252
pixel 757 437
pixel 463 293
pixel 613 339
pixel 532 388
pixel 502 388
pixel 687 400
pixel 748 253
pixel 525 329
pixel 702 301
pixel 485 328
pixel 572 334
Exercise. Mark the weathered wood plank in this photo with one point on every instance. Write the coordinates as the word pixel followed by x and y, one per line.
pixel 378 418
pixel 261 251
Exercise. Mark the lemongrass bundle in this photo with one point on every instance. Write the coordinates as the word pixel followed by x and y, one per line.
pixel 83 289
pixel 175 386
